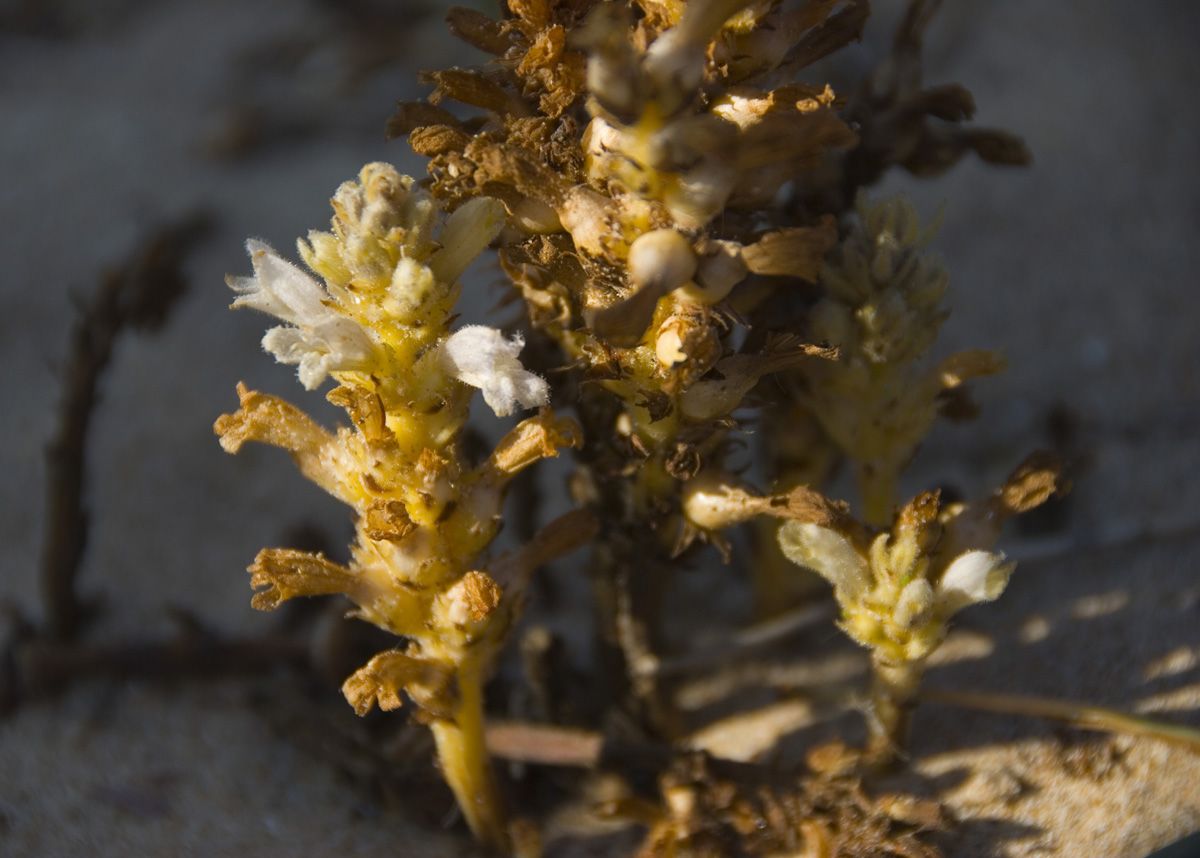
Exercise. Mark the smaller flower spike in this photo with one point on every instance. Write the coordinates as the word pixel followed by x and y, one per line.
pixel 882 308
pixel 899 589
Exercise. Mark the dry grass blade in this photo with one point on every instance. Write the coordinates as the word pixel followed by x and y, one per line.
pixel 1082 715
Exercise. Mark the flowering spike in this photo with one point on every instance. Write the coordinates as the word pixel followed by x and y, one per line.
pixel 898 593
pixel 380 325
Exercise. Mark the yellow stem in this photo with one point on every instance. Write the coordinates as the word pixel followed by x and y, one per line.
pixel 465 764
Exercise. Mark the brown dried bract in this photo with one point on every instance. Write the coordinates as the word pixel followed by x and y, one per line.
pixel 388 519
pixel 284 573
pixel 1035 481
pixel 480 595
pixel 380 681
pixel 536 438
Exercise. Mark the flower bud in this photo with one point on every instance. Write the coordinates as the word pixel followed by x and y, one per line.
pixel 914 604
pixel 712 501
pixel 661 259
pixel 973 577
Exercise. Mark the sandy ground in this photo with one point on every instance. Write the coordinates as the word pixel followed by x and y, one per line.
pixel 1082 269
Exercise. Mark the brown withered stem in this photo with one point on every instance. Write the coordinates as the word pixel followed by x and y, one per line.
pixel 138 294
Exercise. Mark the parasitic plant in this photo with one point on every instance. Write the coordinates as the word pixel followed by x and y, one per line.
pixel 379 324
pixel 681 216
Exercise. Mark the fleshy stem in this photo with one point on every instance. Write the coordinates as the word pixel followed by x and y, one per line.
pixel 894 687
pixel 464 759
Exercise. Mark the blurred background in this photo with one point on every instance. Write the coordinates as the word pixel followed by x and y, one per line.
pixel 122 116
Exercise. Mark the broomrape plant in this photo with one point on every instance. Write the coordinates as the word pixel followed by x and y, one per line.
pixel 379 324
pixel 682 218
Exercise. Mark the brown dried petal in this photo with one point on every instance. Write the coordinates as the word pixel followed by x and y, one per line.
pixel 809 505
pixel 567 85
pixel 434 140
pixel 532 439
pixel 478 30
pixel 919 519
pixel 920 512
pixel 960 368
pixel 951 102
pixel 623 323
pixel 997 147
pixel 563 535
pixel 939 149
pixel 841 28
pixel 284 573
pixel 472 87
pixel 544 52
pixel 533 14
pixel 1035 481
pixel 795 252
pixel 798 136
pixel 411 115
pixel 381 680
pixel 270 420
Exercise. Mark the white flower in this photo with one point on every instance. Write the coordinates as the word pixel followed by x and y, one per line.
pixel 830 555
pixel 480 356
pixel 317 338
pixel 973 577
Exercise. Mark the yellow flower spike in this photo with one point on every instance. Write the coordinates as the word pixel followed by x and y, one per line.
pixel 899 591
pixel 379 324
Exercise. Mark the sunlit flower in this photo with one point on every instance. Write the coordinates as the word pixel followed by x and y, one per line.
pixel 481 357
pixel 317 338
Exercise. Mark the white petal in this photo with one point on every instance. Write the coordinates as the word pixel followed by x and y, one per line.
pixel 480 356
pixel 280 288
pixel 827 553
pixel 337 345
pixel 973 577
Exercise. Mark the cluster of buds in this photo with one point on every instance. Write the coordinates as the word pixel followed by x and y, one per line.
pixel 882 308
pixel 898 589
pixel 379 325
